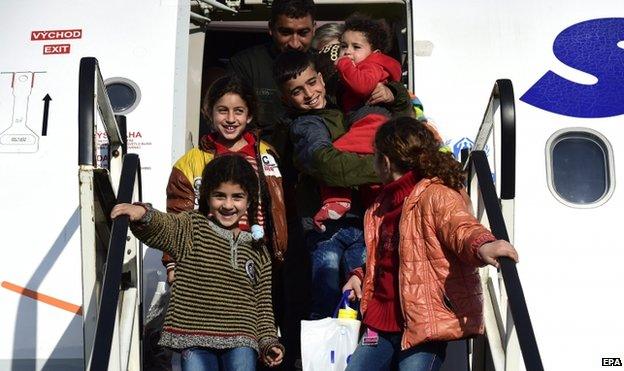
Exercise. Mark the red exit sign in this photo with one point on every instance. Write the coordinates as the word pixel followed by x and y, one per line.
pixel 56 49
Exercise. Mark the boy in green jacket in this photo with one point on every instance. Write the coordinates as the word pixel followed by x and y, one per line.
pixel 317 122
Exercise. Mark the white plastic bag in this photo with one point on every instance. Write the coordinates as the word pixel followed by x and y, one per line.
pixel 155 357
pixel 327 344
pixel 158 306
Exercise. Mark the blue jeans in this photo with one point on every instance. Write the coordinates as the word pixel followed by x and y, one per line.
pixel 339 249
pixel 205 359
pixel 387 355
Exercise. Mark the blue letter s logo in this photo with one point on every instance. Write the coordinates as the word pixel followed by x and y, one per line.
pixel 591 47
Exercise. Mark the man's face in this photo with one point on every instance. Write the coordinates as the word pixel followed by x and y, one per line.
pixel 292 33
pixel 306 91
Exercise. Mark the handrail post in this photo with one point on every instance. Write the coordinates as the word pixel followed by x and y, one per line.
pixel 517 303
pixel 87 105
pixel 92 100
pixel 109 299
pixel 508 139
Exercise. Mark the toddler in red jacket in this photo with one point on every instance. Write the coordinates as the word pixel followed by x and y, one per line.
pixel 363 62
pixel 361 66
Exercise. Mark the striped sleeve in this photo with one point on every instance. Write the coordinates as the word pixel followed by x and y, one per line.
pixel 171 233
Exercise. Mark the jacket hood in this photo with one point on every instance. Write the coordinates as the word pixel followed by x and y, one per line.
pixel 419 189
pixel 391 65
pixel 208 142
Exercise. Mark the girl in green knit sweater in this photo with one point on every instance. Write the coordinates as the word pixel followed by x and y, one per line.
pixel 220 315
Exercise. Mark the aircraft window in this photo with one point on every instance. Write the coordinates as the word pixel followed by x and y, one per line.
pixel 580 167
pixel 124 94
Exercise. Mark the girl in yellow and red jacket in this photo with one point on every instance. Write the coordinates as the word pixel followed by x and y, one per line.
pixel 230 106
pixel 420 286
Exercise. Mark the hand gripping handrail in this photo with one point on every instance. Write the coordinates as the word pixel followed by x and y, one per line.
pixel 515 294
pixel 502 100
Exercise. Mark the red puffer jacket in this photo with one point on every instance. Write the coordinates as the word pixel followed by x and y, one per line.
pixel 361 79
pixel 439 284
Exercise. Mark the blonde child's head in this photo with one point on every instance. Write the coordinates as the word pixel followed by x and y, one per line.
pixel 230 106
pixel 326 35
pixel 406 144
pixel 363 36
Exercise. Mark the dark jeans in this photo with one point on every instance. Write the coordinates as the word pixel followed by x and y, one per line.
pixel 204 359
pixel 387 355
pixel 333 254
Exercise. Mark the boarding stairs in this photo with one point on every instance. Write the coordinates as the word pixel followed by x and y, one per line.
pixel 111 257
pixel 509 342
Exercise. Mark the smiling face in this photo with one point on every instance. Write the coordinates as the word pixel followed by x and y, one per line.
pixel 306 91
pixel 355 46
pixel 230 116
pixel 292 33
pixel 227 204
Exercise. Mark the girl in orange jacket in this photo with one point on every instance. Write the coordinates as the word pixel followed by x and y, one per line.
pixel 420 286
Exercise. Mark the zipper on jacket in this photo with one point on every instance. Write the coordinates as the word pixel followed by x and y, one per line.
pixel 447 302
pixel 401 294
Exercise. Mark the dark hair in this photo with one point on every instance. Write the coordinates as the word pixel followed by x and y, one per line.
pixel 411 145
pixel 229 84
pixel 291 64
pixel 376 31
pixel 292 9
pixel 235 169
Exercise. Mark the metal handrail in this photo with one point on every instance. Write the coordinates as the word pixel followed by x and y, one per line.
pixel 109 296
pixel 114 292
pixel 515 294
pixel 501 99
pixel 92 96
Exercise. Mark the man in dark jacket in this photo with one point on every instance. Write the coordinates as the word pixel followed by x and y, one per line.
pixel 291 28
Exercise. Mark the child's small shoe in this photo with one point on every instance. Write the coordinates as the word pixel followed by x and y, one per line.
pixel 330 211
